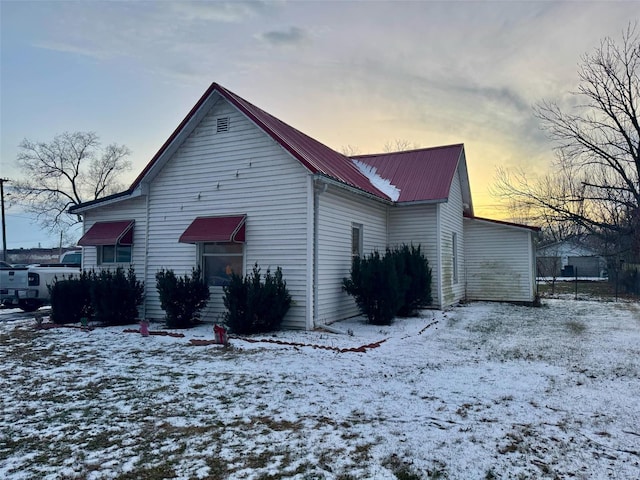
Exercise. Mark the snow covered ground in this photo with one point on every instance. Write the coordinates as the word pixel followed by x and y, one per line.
pixel 481 391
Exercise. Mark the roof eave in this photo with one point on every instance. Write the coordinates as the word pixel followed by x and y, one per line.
pixel 104 201
pixel 345 186
pixel 503 223
pixel 422 202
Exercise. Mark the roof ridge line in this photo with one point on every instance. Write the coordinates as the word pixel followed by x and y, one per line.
pixel 413 150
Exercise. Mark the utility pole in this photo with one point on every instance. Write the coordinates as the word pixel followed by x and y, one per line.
pixel 4 225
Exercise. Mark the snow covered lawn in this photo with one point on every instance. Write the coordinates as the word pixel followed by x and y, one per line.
pixel 481 391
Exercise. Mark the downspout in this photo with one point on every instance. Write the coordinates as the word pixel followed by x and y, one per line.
pixel 146 255
pixel 387 222
pixel 439 255
pixel 317 191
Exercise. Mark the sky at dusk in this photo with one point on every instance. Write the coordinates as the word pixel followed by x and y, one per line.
pixel 347 73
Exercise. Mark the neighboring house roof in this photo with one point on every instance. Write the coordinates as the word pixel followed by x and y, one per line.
pixel 575 246
pixel 417 175
pixel 420 175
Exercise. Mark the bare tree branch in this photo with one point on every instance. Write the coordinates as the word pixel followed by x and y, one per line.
pixel 70 169
pixel 595 179
pixel 399 145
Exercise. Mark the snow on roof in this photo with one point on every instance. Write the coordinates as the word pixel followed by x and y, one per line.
pixel 421 175
pixel 382 184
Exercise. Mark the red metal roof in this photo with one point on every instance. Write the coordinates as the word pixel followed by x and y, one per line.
pixel 215 229
pixel 421 175
pixel 109 233
pixel 315 156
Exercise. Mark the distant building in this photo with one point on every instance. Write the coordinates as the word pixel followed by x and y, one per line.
pixel 28 256
pixel 568 258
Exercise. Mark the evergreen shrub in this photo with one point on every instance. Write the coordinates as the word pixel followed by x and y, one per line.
pixel 115 296
pixel 254 305
pixel 71 298
pixel 108 297
pixel 414 276
pixel 182 298
pixel 397 283
pixel 375 287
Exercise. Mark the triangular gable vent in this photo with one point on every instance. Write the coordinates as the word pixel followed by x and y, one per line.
pixel 222 124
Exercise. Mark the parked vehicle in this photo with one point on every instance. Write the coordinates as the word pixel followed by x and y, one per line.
pixel 72 257
pixel 11 279
pixel 28 287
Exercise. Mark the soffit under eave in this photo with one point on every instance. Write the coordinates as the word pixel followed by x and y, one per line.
pixel 340 185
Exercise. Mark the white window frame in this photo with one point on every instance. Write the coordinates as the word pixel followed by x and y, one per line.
pixel 203 254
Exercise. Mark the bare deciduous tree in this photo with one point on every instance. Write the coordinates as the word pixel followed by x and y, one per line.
pixel 595 179
pixel 391 146
pixel 350 150
pixel 399 145
pixel 71 169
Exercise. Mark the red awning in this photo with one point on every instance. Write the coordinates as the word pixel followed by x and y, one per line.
pixel 215 229
pixel 109 233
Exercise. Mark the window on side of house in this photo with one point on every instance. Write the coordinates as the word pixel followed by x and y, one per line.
pixel 454 256
pixel 356 240
pixel 220 260
pixel 108 254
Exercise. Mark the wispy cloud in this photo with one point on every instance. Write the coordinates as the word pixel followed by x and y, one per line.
pixel 220 11
pixel 292 37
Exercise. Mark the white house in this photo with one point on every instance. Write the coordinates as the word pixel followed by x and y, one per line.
pixel 570 257
pixel 234 185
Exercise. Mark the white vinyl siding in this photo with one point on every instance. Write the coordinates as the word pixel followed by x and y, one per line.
pixel 451 215
pixel 236 172
pixel 417 225
pixel 499 262
pixel 338 211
